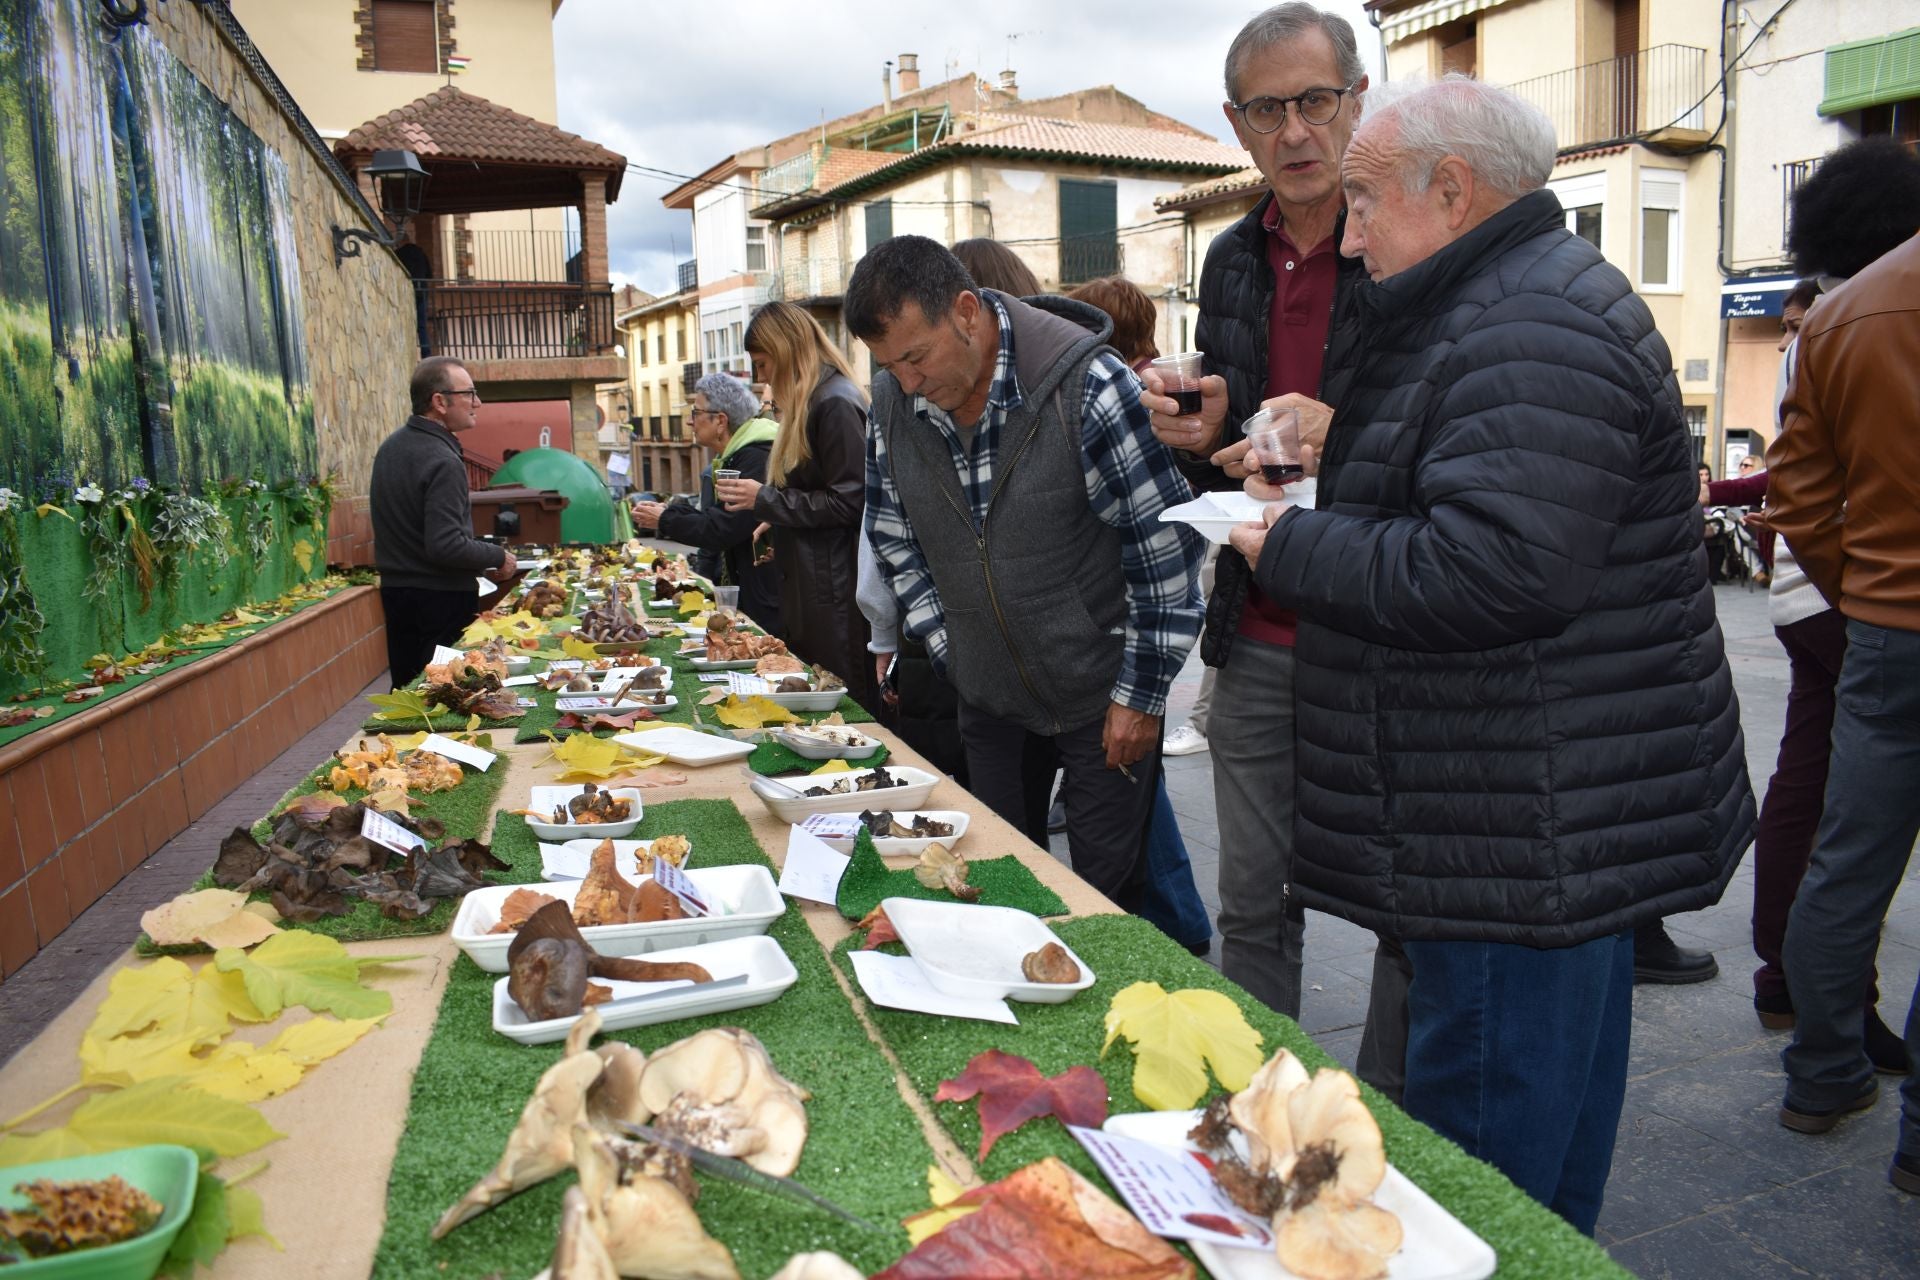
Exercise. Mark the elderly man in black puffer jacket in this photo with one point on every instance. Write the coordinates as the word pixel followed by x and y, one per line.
pixel 1518 737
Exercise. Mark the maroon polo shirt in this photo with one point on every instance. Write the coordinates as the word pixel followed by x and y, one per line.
pixel 1296 349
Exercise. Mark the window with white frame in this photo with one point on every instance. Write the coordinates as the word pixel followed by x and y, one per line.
pixel 1583 198
pixel 1660 229
pixel 756 248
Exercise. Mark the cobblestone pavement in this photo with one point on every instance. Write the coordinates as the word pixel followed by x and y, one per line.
pixel 1705 1181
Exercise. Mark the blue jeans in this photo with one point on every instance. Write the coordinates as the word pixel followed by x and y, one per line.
pixel 1520 1055
pixel 1867 830
pixel 1172 902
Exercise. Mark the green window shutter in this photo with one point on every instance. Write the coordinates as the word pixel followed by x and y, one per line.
pixel 879 222
pixel 1867 73
pixel 1089 222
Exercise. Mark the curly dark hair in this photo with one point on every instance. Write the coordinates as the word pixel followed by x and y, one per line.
pixel 898 271
pixel 1862 201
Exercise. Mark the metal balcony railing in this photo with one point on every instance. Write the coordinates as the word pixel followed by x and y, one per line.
pixel 1084 258
pixel 1792 175
pixel 789 177
pixel 689 374
pixel 689 275
pixel 810 277
pixel 1637 93
pixel 509 320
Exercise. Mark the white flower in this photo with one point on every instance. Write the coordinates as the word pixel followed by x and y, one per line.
pixel 6 499
pixel 89 493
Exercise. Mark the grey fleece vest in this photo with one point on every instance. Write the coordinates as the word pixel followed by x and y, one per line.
pixel 1034 598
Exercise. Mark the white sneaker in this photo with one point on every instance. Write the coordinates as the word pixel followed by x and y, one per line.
pixel 1184 741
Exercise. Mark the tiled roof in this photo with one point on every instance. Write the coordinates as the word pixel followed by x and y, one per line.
pixel 1590 153
pixel 1231 184
pixel 451 124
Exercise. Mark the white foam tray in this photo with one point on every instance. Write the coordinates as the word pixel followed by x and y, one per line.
pixel 810 747
pixel 760 959
pixel 900 847
pixel 685 746
pixel 974 951
pixel 543 800
pixel 920 785
pixel 572 860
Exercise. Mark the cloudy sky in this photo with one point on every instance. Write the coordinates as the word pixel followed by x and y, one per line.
pixel 679 87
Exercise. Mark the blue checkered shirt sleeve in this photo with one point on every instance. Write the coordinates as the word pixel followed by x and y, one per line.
pixel 894 546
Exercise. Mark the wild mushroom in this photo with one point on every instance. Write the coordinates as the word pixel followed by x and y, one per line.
pixel 816 1266
pixel 647 1225
pixel 1259 1111
pixel 719 1090
pixel 580 1254
pixel 614 1099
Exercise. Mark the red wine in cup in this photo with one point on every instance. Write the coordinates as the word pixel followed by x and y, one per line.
pixel 1186 400
pixel 1278 473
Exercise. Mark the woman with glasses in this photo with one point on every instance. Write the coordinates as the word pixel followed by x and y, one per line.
pixel 726 420
pixel 814 492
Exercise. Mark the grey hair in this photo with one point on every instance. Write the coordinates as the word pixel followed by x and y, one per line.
pixel 1506 140
pixel 729 395
pixel 1285 23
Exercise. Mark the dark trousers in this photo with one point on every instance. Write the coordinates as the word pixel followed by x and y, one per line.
pixel 417 620
pixel 1790 814
pixel 1866 836
pixel 1519 1054
pixel 1011 771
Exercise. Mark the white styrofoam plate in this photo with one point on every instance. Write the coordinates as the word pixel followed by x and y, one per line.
pixel 517 664
pixel 1438 1246
pixel 736 664
pixel 905 847
pixel 633 701
pixel 744 901
pixel 685 746
pixel 919 785
pixel 543 800
pixel 760 960
pixel 1216 512
pixel 974 951
pixel 813 700
pixel 571 861
pixel 810 745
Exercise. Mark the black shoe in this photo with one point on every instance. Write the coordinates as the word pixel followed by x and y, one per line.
pixel 1904 1173
pixel 1825 1118
pixel 1057 818
pixel 1885 1050
pixel 1658 958
pixel 1776 1012
pixel 1201 949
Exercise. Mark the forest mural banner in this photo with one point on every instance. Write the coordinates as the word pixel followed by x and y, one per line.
pixel 150 310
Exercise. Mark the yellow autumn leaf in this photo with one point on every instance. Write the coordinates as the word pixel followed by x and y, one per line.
pixel 298 967
pixel 585 758
pixel 246 617
pixel 519 625
pixel 240 1072
pixel 478 632
pixel 202 916
pixel 166 1110
pixel 753 712
pixel 575 647
pixel 694 602
pixel 50 1144
pixel 1176 1037
pixel 942 1190
pixel 835 766
pixel 303 555
pixel 318 1039
pixel 128 1060
pixel 171 1000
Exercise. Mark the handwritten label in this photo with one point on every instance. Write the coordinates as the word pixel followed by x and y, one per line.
pixel 746 683
pixel 1171 1192
pixel 831 826
pixel 584 703
pixel 519 682
pixel 713 677
pixel 811 870
pixel 564 664
pixel 676 882
pixel 384 831
pixel 465 753
pixel 443 654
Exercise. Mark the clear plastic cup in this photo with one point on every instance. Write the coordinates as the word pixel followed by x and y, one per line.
pixel 1274 437
pixel 1180 379
pixel 727 599
pixel 726 473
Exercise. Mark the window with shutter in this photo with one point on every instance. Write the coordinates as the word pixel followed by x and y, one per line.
pixel 1089 226
pixel 1660 191
pixel 1867 73
pixel 404 38
pixel 879 222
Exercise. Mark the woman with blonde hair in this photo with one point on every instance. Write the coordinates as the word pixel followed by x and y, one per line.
pixel 815 491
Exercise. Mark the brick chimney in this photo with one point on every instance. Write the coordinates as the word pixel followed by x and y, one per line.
pixel 1008 86
pixel 886 86
pixel 909 72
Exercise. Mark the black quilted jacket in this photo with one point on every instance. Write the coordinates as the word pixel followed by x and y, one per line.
pixel 1515 717
pixel 1236 300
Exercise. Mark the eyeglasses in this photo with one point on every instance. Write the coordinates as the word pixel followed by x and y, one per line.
pixel 1316 106
pixel 465 391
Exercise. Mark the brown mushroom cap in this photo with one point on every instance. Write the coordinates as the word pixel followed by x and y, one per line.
pixel 1333 1240
pixel 1259 1111
pixel 648 1227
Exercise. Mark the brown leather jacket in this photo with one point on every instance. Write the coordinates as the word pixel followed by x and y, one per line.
pixel 1844 473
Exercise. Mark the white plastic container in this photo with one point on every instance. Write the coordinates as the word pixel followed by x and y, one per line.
pixel 974 951
pixel 572 860
pixel 903 847
pixel 790 808
pixel 544 799
pixel 760 960
pixel 685 746
pixel 809 745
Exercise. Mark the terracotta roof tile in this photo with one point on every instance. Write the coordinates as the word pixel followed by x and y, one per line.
pixel 1113 142
pixel 451 124
pixel 1228 184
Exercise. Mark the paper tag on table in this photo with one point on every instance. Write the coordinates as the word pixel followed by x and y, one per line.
pixel 528 703
pixel 747 684
pixel 898 982
pixel 584 702
pixel 675 882
pixel 465 753
pixel 519 682
pixel 564 664
pixel 830 826
pixel 811 871
pixel 382 830
pixel 487 586
pixel 1171 1192
pixel 714 677
pixel 443 654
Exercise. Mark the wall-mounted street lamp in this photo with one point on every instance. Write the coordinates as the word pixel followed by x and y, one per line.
pixel 402 184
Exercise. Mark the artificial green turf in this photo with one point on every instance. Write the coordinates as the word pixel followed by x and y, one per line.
pixel 1003 882
pixel 865 1149
pixel 1530 1240
pixel 776 757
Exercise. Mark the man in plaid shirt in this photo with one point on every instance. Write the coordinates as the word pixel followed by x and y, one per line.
pixel 1014 492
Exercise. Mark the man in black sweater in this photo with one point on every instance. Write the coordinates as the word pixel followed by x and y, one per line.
pixel 423 537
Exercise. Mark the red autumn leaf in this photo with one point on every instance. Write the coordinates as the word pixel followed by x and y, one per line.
pixel 1043 1220
pixel 576 723
pixel 879 929
pixel 17 716
pixel 1012 1091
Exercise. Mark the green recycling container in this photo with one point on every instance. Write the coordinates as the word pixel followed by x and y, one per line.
pixel 591 515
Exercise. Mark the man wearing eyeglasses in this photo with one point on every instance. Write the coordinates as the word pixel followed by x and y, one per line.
pixel 1279 327
pixel 423 537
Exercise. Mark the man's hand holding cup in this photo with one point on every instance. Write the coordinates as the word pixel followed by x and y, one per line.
pixel 1189 407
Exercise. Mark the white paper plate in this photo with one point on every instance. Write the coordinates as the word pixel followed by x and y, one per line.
pixel 974 952
pixel 816 700
pixel 543 800
pixel 745 901
pixel 1438 1245
pixel 685 746
pixel 733 664
pixel 517 665
pixel 919 785
pixel 1217 512
pixel 811 747
pixel 571 861
pixel 631 702
pixel 897 846
pixel 759 959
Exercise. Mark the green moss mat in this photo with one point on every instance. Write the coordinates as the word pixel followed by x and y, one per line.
pixel 775 757
pixel 1530 1241
pixel 61 710
pixel 1003 882
pixel 865 1149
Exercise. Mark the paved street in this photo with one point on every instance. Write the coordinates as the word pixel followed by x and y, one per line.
pixel 1705 1181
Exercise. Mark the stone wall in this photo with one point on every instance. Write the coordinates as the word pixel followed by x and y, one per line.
pixel 361 344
